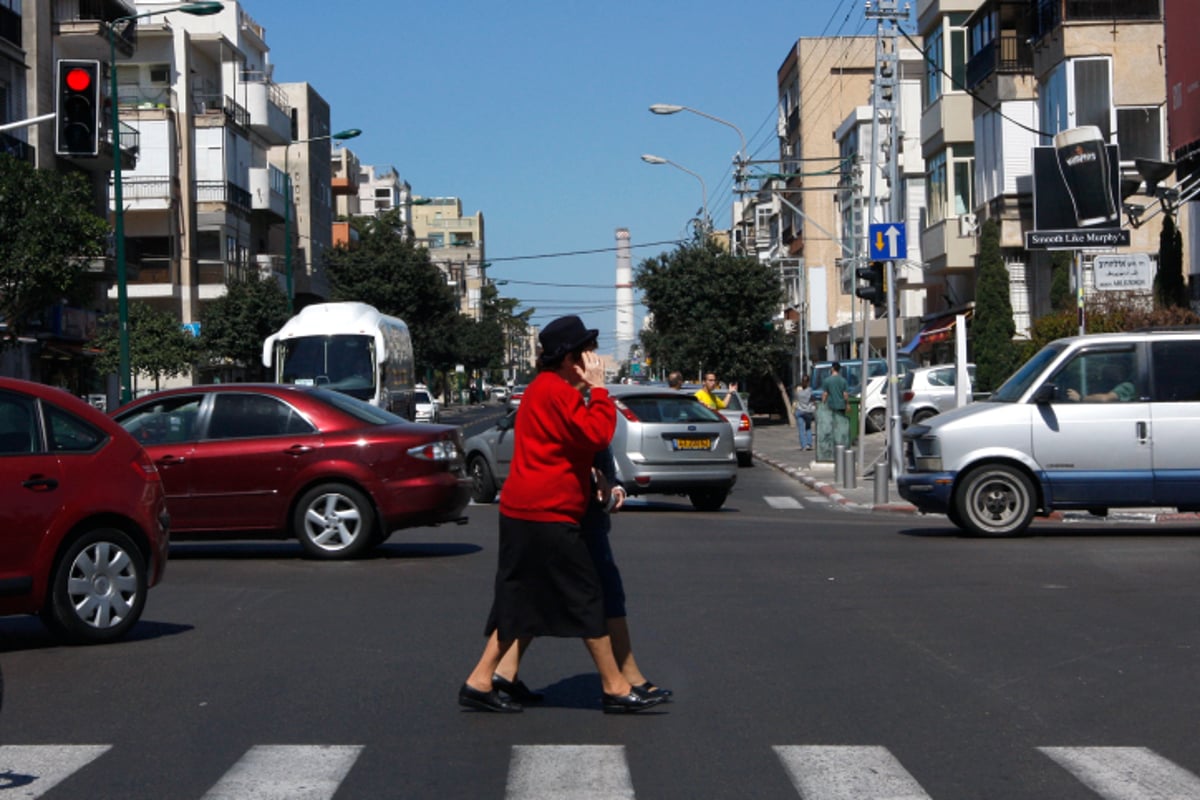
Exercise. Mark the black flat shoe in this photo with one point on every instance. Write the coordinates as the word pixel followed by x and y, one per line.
pixel 628 703
pixel 486 701
pixel 517 690
pixel 648 689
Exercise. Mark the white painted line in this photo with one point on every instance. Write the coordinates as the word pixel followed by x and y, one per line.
pixel 783 503
pixel 286 772
pixel 29 771
pixel 568 772
pixel 848 773
pixel 1126 773
pixel 817 498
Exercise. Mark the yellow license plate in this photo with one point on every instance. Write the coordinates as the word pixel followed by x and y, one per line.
pixel 693 444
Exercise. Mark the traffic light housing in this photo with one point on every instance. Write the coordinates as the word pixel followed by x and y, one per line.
pixel 875 291
pixel 77 105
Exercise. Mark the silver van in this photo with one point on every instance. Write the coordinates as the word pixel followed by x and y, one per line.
pixel 1090 422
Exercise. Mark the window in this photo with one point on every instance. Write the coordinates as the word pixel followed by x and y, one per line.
pixel 18 425
pixel 1139 133
pixel 1176 379
pixel 160 74
pixel 437 240
pixel 1092 373
pixel 169 421
pixel 69 434
pixel 950 191
pixel 946 72
pixel 963 160
pixel 1093 95
pixel 237 416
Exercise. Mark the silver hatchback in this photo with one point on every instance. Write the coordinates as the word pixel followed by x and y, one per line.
pixel 665 443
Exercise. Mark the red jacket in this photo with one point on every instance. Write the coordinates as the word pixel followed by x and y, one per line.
pixel 556 437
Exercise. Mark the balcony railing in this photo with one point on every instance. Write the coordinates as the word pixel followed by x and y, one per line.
pixel 145 187
pixel 1049 14
pixel 129 136
pixel 16 148
pixel 220 272
pixel 222 192
pixel 209 104
pixel 1008 54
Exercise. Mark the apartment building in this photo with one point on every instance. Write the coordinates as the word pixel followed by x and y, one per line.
pixel 456 246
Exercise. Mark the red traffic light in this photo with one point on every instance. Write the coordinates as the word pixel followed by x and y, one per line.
pixel 78 80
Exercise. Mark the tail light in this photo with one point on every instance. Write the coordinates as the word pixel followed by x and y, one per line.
pixel 908 396
pixel 744 423
pixel 143 465
pixel 439 451
pixel 626 411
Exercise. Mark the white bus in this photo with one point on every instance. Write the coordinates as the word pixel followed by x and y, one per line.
pixel 350 348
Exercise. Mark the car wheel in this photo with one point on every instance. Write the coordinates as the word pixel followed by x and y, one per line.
pixel 995 500
pixel 876 420
pixel 98 588
pixel 708 499
pixel 745 459
pixel 922 415
pixel 483 485
pixel 334 521
pixel 954 517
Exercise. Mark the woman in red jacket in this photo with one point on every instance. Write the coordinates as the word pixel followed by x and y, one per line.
pixel 546 583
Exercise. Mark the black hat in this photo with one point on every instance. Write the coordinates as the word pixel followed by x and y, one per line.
pixel 562 336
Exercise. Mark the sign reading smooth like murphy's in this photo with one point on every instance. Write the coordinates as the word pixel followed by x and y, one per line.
pixel 1077 239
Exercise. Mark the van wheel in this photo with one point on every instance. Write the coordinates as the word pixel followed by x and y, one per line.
pixel 483 485
pixel 708 499
pixel 334 520
pixel 98 588
pixel 876 420
pixel 995 500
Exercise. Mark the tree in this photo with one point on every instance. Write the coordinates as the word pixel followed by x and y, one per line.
pixel 1061 296
pixel 992 328
pixel 159 347
pixel 233 327
pixel 48 233
pixel 1169 288
pixel 386 270
pixel 711 310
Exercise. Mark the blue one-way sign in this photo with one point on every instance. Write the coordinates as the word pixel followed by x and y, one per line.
pixel 887 241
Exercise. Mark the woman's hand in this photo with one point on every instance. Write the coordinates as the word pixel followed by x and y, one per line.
pixel 592 369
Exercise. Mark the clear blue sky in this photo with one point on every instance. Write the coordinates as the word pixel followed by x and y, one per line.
pixel 535 113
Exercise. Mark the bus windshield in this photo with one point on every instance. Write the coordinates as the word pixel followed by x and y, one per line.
pixel 345 363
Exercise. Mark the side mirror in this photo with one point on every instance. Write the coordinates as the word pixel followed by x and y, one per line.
pixel 1046 393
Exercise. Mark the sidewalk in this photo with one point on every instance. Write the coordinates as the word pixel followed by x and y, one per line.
pixel 778 445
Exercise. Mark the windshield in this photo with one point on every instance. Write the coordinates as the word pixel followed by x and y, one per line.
pixel 1016 386
pixel 668 408
pixel 345 363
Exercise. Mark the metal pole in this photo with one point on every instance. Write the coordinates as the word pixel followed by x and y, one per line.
pixel 881 482
pixel 287 226
pixel 123 370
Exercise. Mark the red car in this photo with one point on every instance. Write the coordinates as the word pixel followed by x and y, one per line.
pixel 83 517
pixel 267 460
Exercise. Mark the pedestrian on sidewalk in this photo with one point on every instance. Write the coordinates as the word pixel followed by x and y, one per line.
pixel 546 582
pixel 803 409
pixel 836 398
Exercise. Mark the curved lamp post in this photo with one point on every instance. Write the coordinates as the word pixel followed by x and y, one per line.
pixel 340 136
pixel 649 159
pixel 124 373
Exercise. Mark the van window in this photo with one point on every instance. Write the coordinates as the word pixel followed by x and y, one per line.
pixel 1099 376
pixel 1176 379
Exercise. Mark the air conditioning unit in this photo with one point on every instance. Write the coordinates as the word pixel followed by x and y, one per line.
pixel 967 225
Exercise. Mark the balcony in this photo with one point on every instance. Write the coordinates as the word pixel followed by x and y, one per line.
pixel 1008 54
pixel 1050 14
pixel 267 105
pixel 219 107
pixel 268 189
pixel 87 23
pixel 145 192
pixel 223 192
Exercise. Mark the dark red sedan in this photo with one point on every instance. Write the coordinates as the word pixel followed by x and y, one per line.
pixel 83 520
pixel 265 460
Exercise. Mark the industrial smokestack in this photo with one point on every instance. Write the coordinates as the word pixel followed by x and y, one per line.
pixel 624 296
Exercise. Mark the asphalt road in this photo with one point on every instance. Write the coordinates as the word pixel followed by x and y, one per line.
pixel 814 652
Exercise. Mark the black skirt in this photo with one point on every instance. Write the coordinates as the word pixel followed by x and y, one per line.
pixel 546 583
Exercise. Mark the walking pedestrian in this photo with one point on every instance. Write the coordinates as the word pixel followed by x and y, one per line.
pixel 546 582
pixel 803 410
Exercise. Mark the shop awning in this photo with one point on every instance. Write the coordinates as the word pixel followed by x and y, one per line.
pixel 935 330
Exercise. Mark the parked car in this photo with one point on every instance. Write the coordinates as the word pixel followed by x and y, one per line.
pixel 666 442
pixel 270 460
pixel 737 411
pixel 930 390
pixel 1090 422
pixel 514 396
pixel 83 515
pixel 428 408
pixel 498 393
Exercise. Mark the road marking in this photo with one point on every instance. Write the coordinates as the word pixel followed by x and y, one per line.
pixel 1126 773
pixel 29 771
pixel 568 772
pixel 783 503
pixel 286 772
pixel 848 773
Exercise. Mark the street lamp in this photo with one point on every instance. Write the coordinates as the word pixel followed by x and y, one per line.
pixel 340 136
pixel 649 159
pixel 124 376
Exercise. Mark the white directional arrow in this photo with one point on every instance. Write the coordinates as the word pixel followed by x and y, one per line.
pixel 893 235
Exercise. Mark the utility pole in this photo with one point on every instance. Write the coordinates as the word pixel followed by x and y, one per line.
pixel 885 105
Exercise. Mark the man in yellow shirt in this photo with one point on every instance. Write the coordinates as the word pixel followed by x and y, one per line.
pixel 705 394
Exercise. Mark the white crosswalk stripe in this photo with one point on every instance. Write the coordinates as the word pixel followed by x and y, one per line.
pixel 286 772
pixel 568 772
pixel 783 503
pixel 1126 773
pixel 821 772
pixel 29 771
